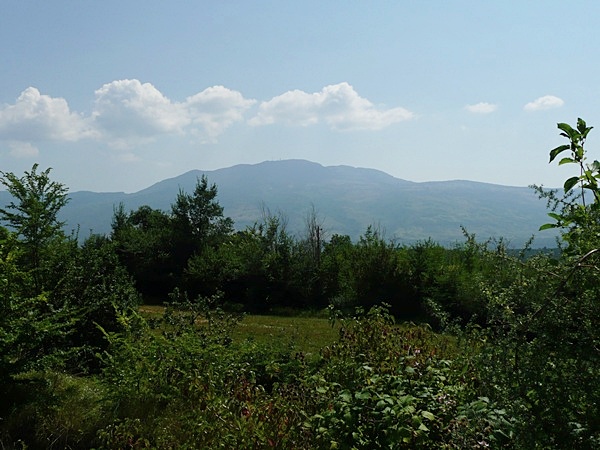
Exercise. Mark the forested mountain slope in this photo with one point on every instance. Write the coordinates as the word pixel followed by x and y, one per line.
pixel 347 200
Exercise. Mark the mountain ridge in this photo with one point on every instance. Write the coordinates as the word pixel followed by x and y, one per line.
pixel 346 199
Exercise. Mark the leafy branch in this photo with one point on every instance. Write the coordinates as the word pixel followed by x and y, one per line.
pixel 574 213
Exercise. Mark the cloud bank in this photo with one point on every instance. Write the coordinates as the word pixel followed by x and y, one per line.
pixel 543 103
pixel 125 113
pixel 129 113
pixel 338 106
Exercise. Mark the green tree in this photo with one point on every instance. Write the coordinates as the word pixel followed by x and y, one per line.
pixel 33 213
pixel 144 243
pixel 96 289
pixel 198 220
pixel 199 228
pixel 31 327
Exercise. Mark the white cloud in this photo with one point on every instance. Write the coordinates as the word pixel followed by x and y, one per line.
pixel 129 112
pixel 482 108
pixel 545 102
pixel 215 109
pixel 337 105
pixel 23 150
pixel 37 117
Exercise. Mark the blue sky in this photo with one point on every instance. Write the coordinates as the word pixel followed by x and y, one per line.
pixel 117 95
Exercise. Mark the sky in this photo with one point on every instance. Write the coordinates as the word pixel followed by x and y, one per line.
pixel 118 95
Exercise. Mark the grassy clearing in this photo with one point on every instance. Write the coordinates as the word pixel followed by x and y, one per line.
pixel 306 334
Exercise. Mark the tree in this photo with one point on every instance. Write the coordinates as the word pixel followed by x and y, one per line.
pixel 143 241
pixel 198 222
pixel 33 213
pixel 199 215
pixel 95 289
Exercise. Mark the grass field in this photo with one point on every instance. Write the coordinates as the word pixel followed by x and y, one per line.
pixel 306 334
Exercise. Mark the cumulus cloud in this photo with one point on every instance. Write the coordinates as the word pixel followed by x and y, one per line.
pixel 482 108
pixel 129 111
pixel 215 109
pixel 37 117
pixel 125 113
pixel 545 102
pixel 338 106
pixel 128 108
pixel 23 150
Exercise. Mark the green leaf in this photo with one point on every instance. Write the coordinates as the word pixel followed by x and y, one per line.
pixel 568 129
pixel 346 396
pixel 362 395
pixel 570 183
pixel 555 216
pixel 428 415
pixel 555 152
pixel 547 226
pixel 581 126
pixel 566 161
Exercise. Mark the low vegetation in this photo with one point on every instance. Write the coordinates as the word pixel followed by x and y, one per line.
pixel 176 332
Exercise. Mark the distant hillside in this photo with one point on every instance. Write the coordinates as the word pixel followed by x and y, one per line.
pixel 346 199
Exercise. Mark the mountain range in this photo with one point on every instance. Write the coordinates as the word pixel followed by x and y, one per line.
pixel 346 200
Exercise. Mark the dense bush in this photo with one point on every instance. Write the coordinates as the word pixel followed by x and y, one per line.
pixel 541 353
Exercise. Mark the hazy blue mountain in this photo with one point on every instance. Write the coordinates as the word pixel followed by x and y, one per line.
pixel 346 199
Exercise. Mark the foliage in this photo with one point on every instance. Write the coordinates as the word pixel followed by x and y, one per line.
pixel 54 294
pixel 32 328
pixel 542 351
pixel 171 386
pixel 54 411
pixel 385 386
pixel 260 268
pixel 198 221
pixel 157 247
pixel 33 214
pixel 144 240
pixel 576 216
pixel 96 289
